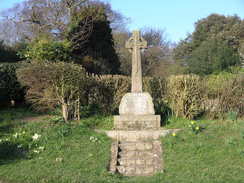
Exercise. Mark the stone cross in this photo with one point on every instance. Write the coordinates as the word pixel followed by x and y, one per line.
pixel 135 44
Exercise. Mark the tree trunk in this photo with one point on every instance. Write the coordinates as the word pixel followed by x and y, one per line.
pixel 65 112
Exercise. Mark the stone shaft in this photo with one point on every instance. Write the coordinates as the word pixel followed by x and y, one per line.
pixel 135 44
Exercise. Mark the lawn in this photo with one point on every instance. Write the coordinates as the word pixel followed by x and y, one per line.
pixel 47 150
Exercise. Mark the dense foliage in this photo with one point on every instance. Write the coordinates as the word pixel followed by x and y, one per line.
pixel 202 43
pixel 47 49
pixel 10 88
pixel 99 46
pixel 9 53
pixel 212 56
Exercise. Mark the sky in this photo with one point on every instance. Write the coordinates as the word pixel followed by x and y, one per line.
pixel 176 17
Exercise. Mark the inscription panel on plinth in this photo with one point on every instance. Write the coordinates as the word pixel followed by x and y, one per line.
pixel 138 122
pixel 136 104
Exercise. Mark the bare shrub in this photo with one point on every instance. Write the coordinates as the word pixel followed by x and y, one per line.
pixel 224 93
pixel 54 84
pixel 185 95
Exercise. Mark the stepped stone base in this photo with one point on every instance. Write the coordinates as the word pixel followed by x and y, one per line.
pixel 136 153
pixel 140 158
pixel 137 122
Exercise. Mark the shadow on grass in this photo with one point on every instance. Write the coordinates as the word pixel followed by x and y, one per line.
pixel 10 152
pixel 6 128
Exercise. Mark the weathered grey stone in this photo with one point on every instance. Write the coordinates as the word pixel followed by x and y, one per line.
pixel 130 171
pixel 131 162
pixel 148 146
pixel 140 162
pixel 114 155
pixel 136 104
pixel 139 135
pixel 140 146
pixel 150 161
pixel 121 169
pixel 145 161
pixel 135 44
pixel 136 150
pixel 148 170
pixel 127 155
pixel 137 122
pixel 127 147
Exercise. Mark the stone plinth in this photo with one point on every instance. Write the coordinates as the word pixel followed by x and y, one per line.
pixel 136 153
pixel 137 122
pixel 136 104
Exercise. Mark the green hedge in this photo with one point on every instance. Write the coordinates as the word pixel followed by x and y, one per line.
pixel 187 96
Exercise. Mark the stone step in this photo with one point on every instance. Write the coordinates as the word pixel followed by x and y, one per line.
pixel 136 154
pixel 131 162
pixel 136 158
pixel 136 171
pixel 132 146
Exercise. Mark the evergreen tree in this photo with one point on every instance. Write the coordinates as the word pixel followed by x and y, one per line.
pixel 224 32
pixel 212 56
pixel 93 48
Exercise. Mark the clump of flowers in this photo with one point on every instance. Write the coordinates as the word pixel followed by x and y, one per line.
pixel 195 127
pixel 23 142
pixel 94 139
pixel 39 149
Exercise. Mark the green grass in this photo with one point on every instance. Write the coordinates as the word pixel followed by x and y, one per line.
pixel 74 153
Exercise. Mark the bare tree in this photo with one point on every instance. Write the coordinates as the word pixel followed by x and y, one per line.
pixel 32 18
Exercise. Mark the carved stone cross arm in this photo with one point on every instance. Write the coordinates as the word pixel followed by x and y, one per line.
pixel 135 44
pixel 136 41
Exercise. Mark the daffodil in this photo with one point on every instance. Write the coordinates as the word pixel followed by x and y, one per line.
pixel 19 146
pixel 36 151
pixel 41 148
pixel 36 136
pixel 173 134
pixel 15 135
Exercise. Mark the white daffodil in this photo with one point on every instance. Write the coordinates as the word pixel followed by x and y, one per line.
pixel 15 135
pixel 41 148
pixel 36 136
pixel 36 151
pixel 19 146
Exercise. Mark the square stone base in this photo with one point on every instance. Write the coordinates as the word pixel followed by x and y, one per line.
pixel 137 122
